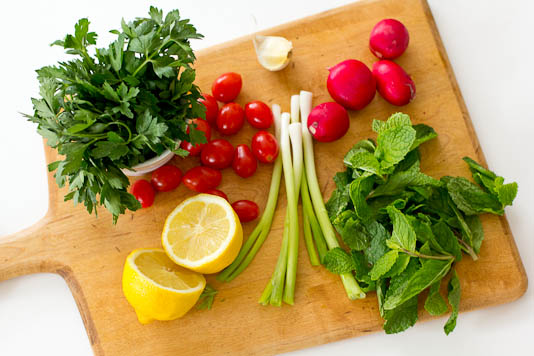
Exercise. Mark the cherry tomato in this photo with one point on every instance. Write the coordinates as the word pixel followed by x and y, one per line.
pixel 212 108
pixel 166 178
pixel 227 87
pixel 258 114
pixel 246 210
pixel 202 125
pixel 143 192
pixel 244 163
pixel 216 192
pixel 264 146
pixel 201 179
pixel 217 154
pixel 230 119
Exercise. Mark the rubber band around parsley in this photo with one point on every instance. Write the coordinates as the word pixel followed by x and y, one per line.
pixel 405 229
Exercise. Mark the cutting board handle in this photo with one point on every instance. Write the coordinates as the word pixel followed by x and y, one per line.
pixel 28 251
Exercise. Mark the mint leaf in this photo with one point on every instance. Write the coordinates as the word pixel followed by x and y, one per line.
pixel 393 145
pixel 470 198
pixel 384 264
pixel 403 235
pixel 402 317
pixel 454 300
pixel 400 265
pixel 359 190
pixel 476 167
pixel 378 246
pixel 338 202
pixel 399 181
pixel 338 261
pixel 398 119
pixel 477 232
pixel 434 303
pixel 423 133
pixel 430 272
pixel 506 193
pixel 447 240
pixel 352 231
pixel 365 161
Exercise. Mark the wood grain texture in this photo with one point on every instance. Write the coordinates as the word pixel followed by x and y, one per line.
pixel 89 253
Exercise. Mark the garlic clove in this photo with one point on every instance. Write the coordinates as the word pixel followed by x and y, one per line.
pixel 273 52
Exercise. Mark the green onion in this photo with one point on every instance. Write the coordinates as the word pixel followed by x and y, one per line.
pixel 349 282
pixel 259 234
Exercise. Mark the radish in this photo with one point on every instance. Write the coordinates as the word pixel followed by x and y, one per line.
pixel 389 39
pixel 351 84
pixel 393 83
pixel 328 121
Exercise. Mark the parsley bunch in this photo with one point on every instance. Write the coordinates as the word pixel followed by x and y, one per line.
pixel 115 107
pixel 406 229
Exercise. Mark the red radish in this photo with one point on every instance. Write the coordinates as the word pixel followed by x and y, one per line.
pixel 328 122
pixel 393 83
pixel 351 84
pixel 389 39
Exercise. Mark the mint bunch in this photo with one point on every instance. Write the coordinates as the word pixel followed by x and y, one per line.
pixel 405 229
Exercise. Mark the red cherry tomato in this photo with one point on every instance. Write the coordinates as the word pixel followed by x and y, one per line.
pixel 264 147
pixel 258 114
pixel 202 125
pixel 217 154
pixel 216 192
pixel 244 163
pixel 201 179
pixel 230 119
pixel 166 178
pixel 212 108
pixel 246 210
pixel 143 192
pixel 227 87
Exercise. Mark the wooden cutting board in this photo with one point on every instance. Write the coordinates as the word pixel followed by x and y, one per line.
pixel 89 253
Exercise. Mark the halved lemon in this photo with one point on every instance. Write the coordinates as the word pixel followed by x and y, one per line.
pixel 203 234
pixel 157 288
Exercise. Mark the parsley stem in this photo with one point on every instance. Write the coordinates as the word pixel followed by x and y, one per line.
pixel 432 257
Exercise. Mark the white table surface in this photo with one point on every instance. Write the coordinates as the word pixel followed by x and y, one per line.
pixel 490 46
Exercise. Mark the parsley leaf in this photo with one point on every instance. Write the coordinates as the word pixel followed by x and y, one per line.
pixel 205 301
pixel 124 104
pixel 338 261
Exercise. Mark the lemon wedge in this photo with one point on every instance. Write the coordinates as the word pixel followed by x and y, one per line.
pixel 203 234
pixel 157 288
pixel 273 52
